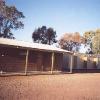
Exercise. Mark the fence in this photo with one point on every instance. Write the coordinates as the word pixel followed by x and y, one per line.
pixel 86 62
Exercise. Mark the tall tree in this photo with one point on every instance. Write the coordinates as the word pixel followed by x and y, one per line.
pixel 96 42
pixel 71 41
pixel 44 35
pixel 93 40
pixel 89 37
pixel 10 18
pixel 51 35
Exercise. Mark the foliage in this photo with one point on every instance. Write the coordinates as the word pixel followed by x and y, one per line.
pixel 93 40
pixel 89 37
pixel 96 42
pixel 44 35
pixel 71 42
pixel 9 19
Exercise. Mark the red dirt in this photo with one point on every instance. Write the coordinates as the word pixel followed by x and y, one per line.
pixel 51 87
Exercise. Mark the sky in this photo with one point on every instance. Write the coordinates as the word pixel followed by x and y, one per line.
pixel 65 16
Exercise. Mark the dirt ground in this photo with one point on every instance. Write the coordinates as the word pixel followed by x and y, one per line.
pixel 51 87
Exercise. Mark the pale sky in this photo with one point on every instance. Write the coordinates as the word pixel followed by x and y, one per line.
pixel 64 16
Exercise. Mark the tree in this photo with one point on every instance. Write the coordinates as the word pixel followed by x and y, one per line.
pixel 10 18
pixel 96 42
pixel 44 35
pixel 70 41
pixel 89 37
pixel 93 40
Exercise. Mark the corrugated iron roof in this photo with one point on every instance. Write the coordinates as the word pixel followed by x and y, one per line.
pixel 28 45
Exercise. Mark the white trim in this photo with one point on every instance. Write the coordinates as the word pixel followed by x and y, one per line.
pixel 11 42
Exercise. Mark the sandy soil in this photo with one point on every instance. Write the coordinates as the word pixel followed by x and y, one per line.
pixel 51 87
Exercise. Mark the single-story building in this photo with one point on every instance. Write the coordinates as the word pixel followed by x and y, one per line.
pixel 19 57
pixel 24 57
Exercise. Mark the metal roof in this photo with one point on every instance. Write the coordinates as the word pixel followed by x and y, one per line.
pixel 28 45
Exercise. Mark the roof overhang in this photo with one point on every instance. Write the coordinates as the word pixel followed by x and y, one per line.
pixel 31 46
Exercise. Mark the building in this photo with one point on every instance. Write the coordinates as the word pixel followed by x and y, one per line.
pixel 19 57
pixel 24 57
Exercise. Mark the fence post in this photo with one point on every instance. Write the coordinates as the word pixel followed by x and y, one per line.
pixel 26 61
pixel 52 63
pixel 71 64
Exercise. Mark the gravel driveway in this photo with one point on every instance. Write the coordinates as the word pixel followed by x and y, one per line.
pixel 51 87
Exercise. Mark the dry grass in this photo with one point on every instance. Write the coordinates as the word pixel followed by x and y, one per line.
pixel 51 87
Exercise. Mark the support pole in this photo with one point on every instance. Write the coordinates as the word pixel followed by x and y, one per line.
pixel 52 63
pixel 26 62
pixel 71 64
